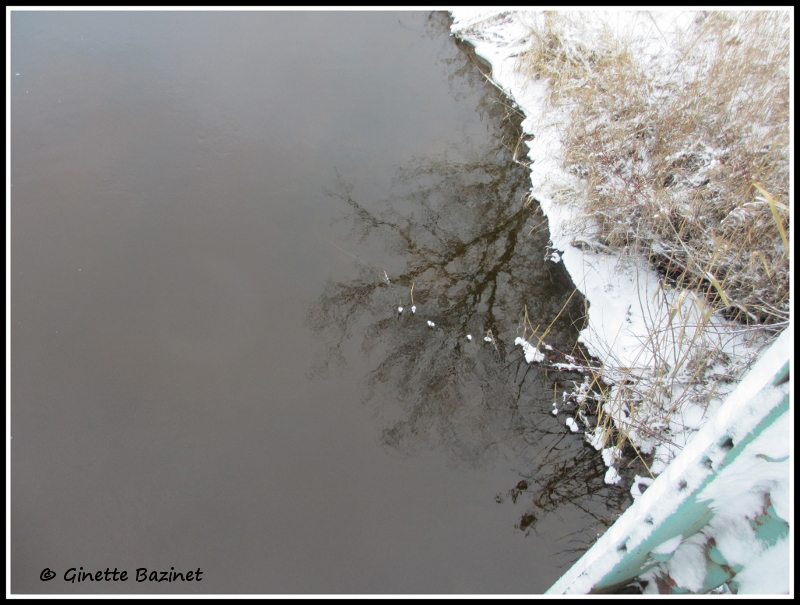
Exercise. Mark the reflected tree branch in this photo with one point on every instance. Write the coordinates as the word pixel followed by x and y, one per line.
pixel 468 241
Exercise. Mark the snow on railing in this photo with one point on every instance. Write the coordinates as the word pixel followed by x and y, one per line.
pixel 717 519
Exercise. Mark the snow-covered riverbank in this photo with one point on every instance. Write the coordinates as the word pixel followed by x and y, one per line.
pixel 635 320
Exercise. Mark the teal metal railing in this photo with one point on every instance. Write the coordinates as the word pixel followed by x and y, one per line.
pixel 676 506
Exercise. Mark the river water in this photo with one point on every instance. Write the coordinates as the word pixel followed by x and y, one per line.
pixel 214 219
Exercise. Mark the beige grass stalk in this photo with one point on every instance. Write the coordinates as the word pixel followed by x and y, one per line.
pixel 668 148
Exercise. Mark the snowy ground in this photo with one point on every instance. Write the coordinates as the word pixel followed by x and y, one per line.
pixel 628 301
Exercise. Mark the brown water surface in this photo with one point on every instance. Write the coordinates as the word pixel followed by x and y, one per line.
pixel 208 369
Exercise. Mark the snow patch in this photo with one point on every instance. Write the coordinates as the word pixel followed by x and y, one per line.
pixel 612 476
pixel 532 354
pixel 768 572
pixel 611 455
pixel 668 547
pixel 688 565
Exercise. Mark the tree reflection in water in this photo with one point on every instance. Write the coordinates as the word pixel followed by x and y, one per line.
pixel 474 250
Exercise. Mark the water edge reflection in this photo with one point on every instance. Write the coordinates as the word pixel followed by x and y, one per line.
pixel 473 259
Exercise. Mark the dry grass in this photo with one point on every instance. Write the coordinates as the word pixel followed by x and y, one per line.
pixel 683 150
pixel 688 359
pixel 679 143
